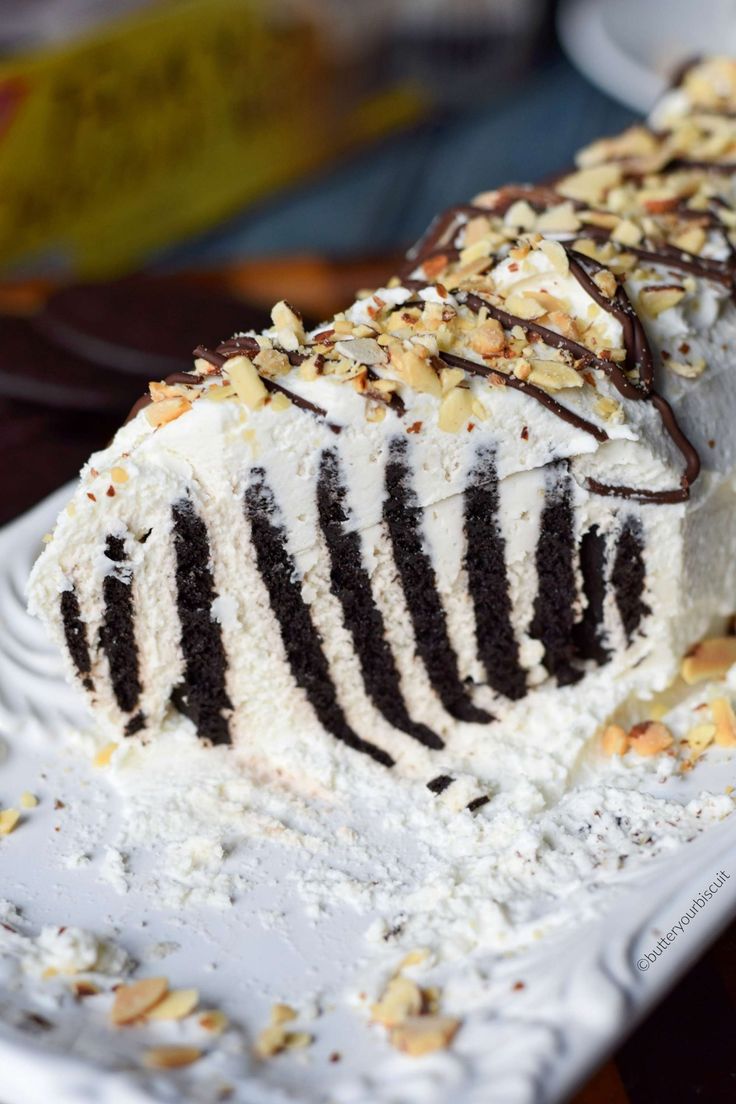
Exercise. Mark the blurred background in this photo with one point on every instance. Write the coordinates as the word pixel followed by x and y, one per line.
pixel 170 168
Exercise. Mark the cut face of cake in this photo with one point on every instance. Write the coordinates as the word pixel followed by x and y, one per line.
pixel 467 501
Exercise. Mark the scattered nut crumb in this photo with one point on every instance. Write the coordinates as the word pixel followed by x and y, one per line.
pixel 8 821
pixel 171 1057
pixel 175 1005
pixel 133 1001
pixel 650 738
pixel 419 1035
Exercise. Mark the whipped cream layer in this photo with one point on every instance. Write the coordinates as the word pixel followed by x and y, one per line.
pixel 470 499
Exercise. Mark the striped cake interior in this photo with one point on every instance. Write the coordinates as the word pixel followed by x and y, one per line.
pixel 590 602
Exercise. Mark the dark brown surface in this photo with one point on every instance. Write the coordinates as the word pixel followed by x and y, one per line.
pixel 684 1052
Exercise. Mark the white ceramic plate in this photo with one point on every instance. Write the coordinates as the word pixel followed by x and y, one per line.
pixel 630 48
pixel 581 989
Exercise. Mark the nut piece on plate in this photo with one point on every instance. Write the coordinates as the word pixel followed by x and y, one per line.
pixel 614 740
pixel 650 738
pixel 401 998
pixel 710 659
pixel 724 719
pixel 171 1057
pixel 134 1001
pixel 419 1035
pixel 175 1005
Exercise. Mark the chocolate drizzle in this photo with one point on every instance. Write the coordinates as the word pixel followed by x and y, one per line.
pixel 308 663
pixel 117 632
pixel 350 583
pixel 403 518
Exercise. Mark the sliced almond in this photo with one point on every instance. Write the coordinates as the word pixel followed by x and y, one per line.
pixel 552 375
pixel 289 328
pixel 455 410
pixel 133 1001
pixel 590 185
pixel 364 350
pixel 561 218
pixel 650 738
pixel 691 240
pixel 614 740
pixel 248 385
pixel 521 215
pixel 724 719
pixel 414 370
pixel 475 251
pixel 606 282
pixel 710 659
pixel 688 371
pixel 450 378
pixel 8 821
pixel 171 1057
pixel 175 1005
pixel 272 1040
pixel 556 255
pixel 168 410
pixel 475 229
pixel 700 737
pixel 424 1034
pixel 401 998
pixel 636 141
pixel 654 300
pixel 272 363
pixel 627 233
pixel 280 402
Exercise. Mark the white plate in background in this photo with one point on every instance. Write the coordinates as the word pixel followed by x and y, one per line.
pixel 630 48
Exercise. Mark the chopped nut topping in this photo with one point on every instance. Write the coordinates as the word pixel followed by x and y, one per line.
pixel 606 282
pixel 364 350
pixel 424 1034
pixel 289 328
pixel 614 740
pixel 248 385
pixel 165 411
pixel 414 370
pixel 556 255
pixel 627 233
pixel 525 306
pixel 171 1057
pixel 654 300
pixel 561 219
pixel 590 185
pixel 710 659
pixel 282 1013
pixel 133 1001
pixel 271 363
pixel 650 738
pixel 488 339
pixel 687 371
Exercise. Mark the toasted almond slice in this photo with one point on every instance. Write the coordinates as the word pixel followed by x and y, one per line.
pixel 561 218
pixel 290 331
pixel 450 378
pixel 294 1040
pixel 650 738
pixel 270 1041
pixel 171 1057
pixel 556 255
pixel 133 1001
pixel 213 1020
pixel 402 997
pixel 282 1013
pixel 654 300
pixel 280 402
pixel 637 141
pixel 475 251
pixel 455 410
pixel 8 821
pixel 724 719
pixel 687 371
pixel 167 410
pixel 590 185
pixel 710 659
pixel 552 375
pixel 521 215
pixel 605 281
pixel 104 755
pixel 248 385
pixel 627 233
pixel 614 740
pixel 525 306
pixel 700 737
pixel 423 1034
pixel 175 1005
pixel 475 229
pixel 363 350
pixel 691 240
